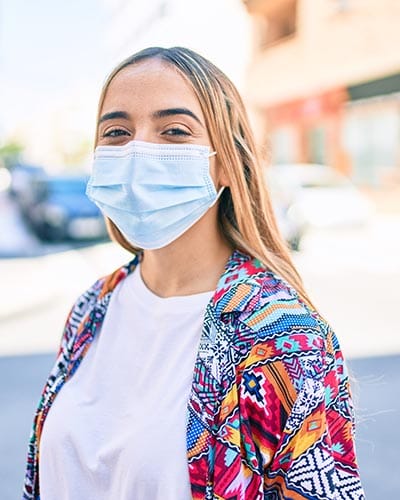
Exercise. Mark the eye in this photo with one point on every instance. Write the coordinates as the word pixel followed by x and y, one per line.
pixel 116 132
pixel 176 131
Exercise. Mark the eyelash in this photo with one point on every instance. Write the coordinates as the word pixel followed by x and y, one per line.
pixel 176 131
pixel 113 133
pixel 118 132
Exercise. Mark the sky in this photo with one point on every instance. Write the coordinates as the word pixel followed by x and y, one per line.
pixel 48 43
pixel 51 56
pixel 55 55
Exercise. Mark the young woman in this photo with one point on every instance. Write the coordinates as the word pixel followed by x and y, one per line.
pixel 200 369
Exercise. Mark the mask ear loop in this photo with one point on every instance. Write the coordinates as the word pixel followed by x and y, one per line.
pixel 217 197
pixel 222 188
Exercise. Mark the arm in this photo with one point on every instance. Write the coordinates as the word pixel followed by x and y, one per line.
pixel 303 426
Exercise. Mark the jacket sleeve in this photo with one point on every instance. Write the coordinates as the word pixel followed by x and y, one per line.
pixel 297 397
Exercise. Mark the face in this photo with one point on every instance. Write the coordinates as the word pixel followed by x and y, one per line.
pixel 151 101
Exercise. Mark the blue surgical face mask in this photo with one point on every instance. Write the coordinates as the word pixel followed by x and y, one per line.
pixel 152 192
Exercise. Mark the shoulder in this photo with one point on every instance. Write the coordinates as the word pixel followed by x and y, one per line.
pixel 259 294
pixel 95 297
pixel 278 303
pixel 105 285
pixel 271 309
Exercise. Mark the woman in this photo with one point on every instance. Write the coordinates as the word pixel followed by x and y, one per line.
pixel 204 370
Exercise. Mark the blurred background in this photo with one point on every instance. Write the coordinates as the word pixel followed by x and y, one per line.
pixel 321 80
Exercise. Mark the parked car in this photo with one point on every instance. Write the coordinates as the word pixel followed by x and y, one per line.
pixel 320 196
pixel 59 209
pixel 291 226
pixel 291 229
pixel 22 176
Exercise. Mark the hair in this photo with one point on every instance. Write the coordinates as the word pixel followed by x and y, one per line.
pixel 245 213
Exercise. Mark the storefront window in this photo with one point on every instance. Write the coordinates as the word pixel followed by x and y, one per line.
pixel 371 137
pixel 316 144
pixel 284 145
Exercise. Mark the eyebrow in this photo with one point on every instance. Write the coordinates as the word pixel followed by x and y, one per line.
pixel 162 113
pixel 113 115
pixel 176 111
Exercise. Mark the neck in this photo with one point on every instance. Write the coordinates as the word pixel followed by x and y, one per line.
pixel 191 264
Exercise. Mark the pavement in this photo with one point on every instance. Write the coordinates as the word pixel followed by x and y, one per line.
pixel 40 281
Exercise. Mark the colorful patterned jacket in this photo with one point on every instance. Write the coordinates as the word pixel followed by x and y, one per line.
pixel 269 416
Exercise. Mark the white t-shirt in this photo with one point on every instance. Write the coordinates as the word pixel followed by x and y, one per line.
pixel 117 429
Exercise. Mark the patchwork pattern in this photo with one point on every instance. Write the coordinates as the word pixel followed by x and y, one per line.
pixel 269 415
pixel 313 475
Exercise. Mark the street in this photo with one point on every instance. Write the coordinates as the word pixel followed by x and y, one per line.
pixel 352 276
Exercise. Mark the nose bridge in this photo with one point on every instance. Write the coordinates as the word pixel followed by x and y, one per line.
pixel 143 128
pixel 143 133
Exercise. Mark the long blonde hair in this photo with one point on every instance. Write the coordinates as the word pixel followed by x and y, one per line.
pixel 245 213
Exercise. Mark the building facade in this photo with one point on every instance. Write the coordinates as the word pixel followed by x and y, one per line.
pixel 324 84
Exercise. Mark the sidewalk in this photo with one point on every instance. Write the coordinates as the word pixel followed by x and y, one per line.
pixel 38 282
pixel 28 284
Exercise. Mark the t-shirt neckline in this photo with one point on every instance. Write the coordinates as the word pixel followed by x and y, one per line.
pixel 142 292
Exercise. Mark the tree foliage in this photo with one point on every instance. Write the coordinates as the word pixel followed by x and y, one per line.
pixel 10 153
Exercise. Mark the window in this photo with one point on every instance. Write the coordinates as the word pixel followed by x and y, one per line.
pixel 341 5
pixel 284 145
pixel 316 141
pixel 371 137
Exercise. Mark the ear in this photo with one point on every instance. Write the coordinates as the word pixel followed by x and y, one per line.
pixel 222 179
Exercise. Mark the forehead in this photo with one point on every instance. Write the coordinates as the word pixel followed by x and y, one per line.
pixel 150 84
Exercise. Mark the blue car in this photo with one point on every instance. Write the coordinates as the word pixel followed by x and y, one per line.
pixel 59 209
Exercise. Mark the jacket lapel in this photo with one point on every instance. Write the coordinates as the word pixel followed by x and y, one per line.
pixel 215 366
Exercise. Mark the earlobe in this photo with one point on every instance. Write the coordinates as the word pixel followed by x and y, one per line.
pixel 223 179
pixel 220 177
